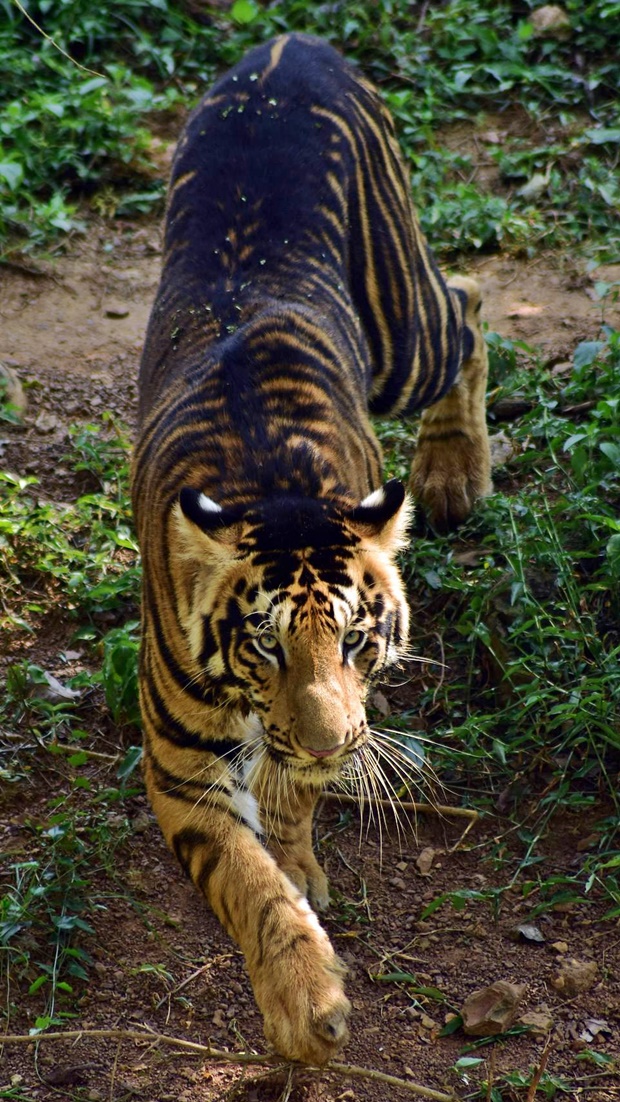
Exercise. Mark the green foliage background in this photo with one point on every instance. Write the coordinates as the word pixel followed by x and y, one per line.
pixel 64 132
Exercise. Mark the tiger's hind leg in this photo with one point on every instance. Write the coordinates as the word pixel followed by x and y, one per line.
pixel 451 468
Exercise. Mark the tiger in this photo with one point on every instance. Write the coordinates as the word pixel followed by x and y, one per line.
pixel 298 297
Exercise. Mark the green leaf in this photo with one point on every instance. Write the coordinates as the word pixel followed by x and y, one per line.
pixel 599 135
pixel 586 353
pixel 395 977
pixel 612 451
pixel 40 1024
pixel 244 11
pixel 130 762
pixel 451 1027
pixel 464 1062
pixel 78 759
pixel 12 172
pixel 40 980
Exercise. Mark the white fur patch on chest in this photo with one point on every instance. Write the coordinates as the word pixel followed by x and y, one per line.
pixel 246 806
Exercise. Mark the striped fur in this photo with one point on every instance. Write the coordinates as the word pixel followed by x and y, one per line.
pixel 297 294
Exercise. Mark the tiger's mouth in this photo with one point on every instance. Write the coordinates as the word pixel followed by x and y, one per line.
pixel 328 765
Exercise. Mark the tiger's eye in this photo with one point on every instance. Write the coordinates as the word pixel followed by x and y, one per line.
pixel 353 637
pixel 268 641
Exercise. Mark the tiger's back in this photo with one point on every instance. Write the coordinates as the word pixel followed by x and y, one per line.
pixel 297 294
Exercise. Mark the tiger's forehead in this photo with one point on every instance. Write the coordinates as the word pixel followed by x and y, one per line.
pixel 301 611
pixel 298 525
pixel 309 586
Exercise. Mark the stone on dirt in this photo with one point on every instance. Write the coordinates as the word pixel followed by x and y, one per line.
pixel 492 1009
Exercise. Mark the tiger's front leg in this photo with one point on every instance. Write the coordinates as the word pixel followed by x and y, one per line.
pixel 452 465
pixel 296 976
pixel 287 815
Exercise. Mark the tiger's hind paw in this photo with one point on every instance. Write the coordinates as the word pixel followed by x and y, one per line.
pixel 447 481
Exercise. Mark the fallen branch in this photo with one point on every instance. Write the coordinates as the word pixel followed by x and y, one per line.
pixel 413 805
pixel 406 805
pixel 349 1071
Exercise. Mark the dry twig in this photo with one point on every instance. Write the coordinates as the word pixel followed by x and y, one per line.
pixel 348 1071
pixel 413 805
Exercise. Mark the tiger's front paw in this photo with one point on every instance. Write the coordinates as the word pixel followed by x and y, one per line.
pixel 301 995
pixel 310 879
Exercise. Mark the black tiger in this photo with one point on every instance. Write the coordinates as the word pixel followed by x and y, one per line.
pixel 297 294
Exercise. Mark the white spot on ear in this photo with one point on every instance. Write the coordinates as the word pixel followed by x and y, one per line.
pixel 208 505
pixel 377 497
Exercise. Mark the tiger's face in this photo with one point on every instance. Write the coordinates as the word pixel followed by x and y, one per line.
pixel 292 608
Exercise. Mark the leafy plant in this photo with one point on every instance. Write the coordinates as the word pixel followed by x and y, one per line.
pixel 71 127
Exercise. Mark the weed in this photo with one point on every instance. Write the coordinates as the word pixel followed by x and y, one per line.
pixel 86 550
pixel 533 619
pixel 66 132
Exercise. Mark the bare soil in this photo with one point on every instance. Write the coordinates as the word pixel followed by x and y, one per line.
pixel 73 331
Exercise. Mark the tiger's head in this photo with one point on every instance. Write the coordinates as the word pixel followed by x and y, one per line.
pixel 291 608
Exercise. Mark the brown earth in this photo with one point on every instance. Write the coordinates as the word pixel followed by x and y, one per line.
pixel 73 331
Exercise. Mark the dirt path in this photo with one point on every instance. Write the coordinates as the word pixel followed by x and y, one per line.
pixel 93 308
pixel 159 958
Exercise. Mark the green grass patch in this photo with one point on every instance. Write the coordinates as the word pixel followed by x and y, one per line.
pixel 526 601
pixel 67 133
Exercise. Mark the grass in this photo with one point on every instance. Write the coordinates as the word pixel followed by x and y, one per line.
pixel 74 134
pixel 76 561
pixel 530 700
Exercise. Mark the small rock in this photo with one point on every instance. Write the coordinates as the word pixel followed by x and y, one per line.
pixel 424 860
pixel 116 310
pixel 402 866
pixel 590 839
pixel 141 823
pixel 492 1009
pixel 47 422
pixel 575 977
pixel 538 1022
pixel 502 449
pixel 381 704
pixel 560 946
pixel 12 391
pixel 398 882
pixel 551 21
pixel 528 932
pixel 219 1020
pixel 564 368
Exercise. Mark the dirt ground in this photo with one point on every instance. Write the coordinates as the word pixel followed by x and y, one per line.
pixel 73 328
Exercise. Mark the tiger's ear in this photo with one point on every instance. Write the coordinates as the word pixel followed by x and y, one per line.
pixel 198 516
pixel 384 516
